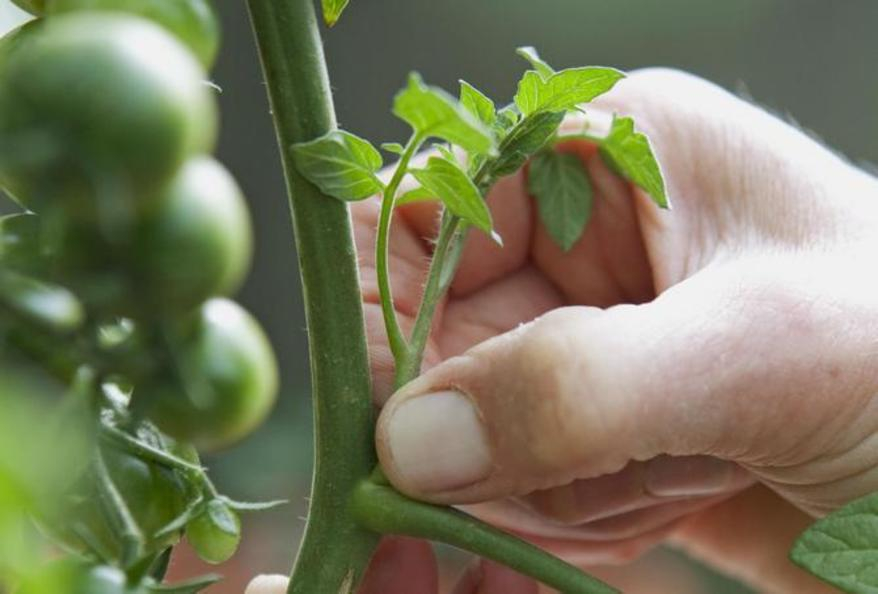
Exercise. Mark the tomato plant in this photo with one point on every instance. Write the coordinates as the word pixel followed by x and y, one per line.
pixel 113 284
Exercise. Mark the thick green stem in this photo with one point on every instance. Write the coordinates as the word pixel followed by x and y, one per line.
pixel 382 509
pixel 398 343
pixel 335 549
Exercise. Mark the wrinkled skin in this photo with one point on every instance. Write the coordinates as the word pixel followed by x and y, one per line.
pixel 704 376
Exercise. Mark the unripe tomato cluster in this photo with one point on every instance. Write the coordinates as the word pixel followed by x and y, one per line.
pixel 129 240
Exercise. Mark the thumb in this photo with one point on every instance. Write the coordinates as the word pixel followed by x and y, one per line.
pixel 705 369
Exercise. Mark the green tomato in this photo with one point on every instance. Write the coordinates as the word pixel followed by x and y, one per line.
pixel 11 40
pixel 97 111
pixel 155 495
pixel 55 248
pixel 194 22
pixel 215 533
pixel 71 576
pixel 230 377
pixel 32 6
pixel 196 243
pixel 9 43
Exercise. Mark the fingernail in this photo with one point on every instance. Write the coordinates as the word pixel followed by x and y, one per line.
pixel 437 442
pixel 268 584
pixel 684 476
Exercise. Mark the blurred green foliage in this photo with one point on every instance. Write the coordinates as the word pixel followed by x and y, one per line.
pixel 43 448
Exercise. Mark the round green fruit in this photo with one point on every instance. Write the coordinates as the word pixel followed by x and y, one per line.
pixel 196 242
pixel 154 495
pixel 193 243
pixel 194 22
pixel 229 381
pixel 215 533
pixel 98 111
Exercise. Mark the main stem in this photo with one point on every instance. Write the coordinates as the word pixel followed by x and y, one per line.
pixel 335 550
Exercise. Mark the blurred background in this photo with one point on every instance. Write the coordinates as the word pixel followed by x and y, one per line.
pixel 810 59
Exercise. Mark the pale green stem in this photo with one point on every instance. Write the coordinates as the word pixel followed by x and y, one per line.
pixel 377 506
pixel 398 343
pixel 409 367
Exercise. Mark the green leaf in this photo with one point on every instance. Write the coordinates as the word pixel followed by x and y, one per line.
pixel 393 147
pixel 630 154
pixel 416 195
pixel 506 119
pixel 474 101
pixel 446 153
pixel 530 54
pixel 524 140
pixel 332 10
pixel 448 182
pixel 563 192
pixel 842 548
pixel 341 164
pixel 432 112
pixel 565 89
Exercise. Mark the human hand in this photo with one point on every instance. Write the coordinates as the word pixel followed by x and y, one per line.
pixel 631 390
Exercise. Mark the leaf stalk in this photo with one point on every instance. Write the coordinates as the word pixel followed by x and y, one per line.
pixel 398 344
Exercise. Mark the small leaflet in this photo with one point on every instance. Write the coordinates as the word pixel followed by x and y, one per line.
pixel 563 193
pixel 341 164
